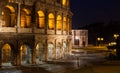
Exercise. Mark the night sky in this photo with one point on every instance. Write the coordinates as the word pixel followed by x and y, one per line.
pixel 91 11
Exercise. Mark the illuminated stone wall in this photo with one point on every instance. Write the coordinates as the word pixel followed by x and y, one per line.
pixel 40 29
pixel 79 38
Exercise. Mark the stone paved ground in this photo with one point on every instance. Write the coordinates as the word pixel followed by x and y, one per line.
pixel 105 67
pixel 102 67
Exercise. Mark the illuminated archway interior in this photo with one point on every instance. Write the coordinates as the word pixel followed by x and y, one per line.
pixel 41 19
pixel 50 51
pixel 59 22
pixel 25 18
pixel 58 51
pixel 8 17
pixel 64 23
pixel 64 2
pixel 39 53
pixel 6 55
pixel 25 54
pixel 51 21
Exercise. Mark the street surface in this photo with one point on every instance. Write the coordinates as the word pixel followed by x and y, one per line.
pixel 75 61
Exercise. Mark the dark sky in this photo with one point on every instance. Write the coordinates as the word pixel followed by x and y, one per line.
pixel 91 11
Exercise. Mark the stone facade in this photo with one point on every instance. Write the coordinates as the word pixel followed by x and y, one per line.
pixel 34 31
pixel 79 38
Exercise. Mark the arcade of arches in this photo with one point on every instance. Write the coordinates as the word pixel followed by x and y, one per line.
pixel 34 32
pixel 26 54
pixel 9 19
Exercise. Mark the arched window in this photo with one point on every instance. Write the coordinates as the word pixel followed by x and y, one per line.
pixel 8 17
pixel 64 2
pixel 64 23
pixel 25 18
pixel 59 22
pixel 41 19
pixel 51 21
pixel 25 54
pixel 6 54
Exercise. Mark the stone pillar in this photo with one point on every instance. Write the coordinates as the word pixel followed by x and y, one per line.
pixel 55 29
pixel 18 58
pixel 46 22
pixel 62 50
pixel 46 49
pixel 69 46
pixel 0 56
pixel 62 21
pixel 55 44
pixel 33 52
pixel 1 45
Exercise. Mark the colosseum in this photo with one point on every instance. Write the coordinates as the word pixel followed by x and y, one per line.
pixel 34 31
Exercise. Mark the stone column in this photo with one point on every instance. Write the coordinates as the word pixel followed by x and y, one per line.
pixel 55 45
pixel 62 21
pixel 46 49
pixel 18 58
pixel 55 29
pixel 33 53
pixel 0 55
pixel 46 22
pixel 1 45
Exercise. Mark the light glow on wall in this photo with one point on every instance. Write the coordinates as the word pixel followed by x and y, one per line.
pixel 64 23
pixel 41 19
pixel 25 18
pixel 64 2
pixel 59 23
pixel 51 21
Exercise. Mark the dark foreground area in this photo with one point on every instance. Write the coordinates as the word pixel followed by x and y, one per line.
pixel 101 67
pixel 104 67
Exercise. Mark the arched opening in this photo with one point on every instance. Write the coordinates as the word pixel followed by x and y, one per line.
pixel 64 49
pixel 50 51
pixel 8 17
pixel 41 19
pixel 51 21
pixel 64 2
pixel 58 51
pixel 64 23
pixel 25 21
pixel 69 24
pixel 6 55
pixel 59 23
pixel 40 53
pixel 25 54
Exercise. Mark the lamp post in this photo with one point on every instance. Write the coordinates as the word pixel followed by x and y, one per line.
pixel 99 39
pixel 116 36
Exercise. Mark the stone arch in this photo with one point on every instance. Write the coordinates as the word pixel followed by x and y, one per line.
pixel 8 16
pixel 40 19
pixel 25 54
pixel 11 8
pixel 50 51
pixel 40 53
pixel 51 21
pixel 25 21
pixel 7 54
